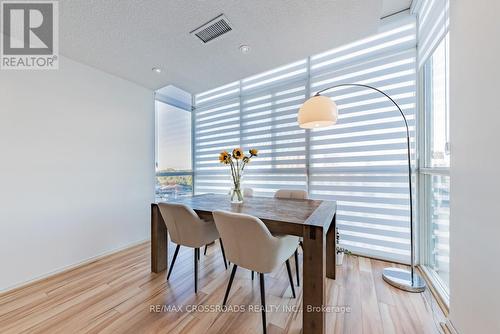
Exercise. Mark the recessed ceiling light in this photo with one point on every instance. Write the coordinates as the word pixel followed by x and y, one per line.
pixel 244 48
pixel 156 69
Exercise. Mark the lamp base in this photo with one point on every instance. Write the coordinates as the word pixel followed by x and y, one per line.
pixel 401 279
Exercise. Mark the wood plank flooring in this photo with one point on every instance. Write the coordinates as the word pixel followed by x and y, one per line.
pixel 119 294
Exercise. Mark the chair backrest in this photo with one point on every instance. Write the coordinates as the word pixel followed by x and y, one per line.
pixel 291 194
pixel 247 241
pixel 182 222
pixel 247 192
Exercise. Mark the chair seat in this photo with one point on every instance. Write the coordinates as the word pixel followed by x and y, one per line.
pixel 187 229
pixel 285 247
pixel 208 234
pixel 288 246
pixel 251 245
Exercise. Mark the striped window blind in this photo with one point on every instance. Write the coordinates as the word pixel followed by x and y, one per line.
pixel 269 122
pixel 360 162
pixel 433 24
pixel 216 128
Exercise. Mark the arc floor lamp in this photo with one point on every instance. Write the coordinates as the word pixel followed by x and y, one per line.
pixel 321 111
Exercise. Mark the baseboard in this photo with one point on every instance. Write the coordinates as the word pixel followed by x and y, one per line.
pixel 443 305
pixel 450 328
pixel 70 267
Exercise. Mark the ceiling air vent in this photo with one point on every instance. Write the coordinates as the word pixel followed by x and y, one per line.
pixel 212 29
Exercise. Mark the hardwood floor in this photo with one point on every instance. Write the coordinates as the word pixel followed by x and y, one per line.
pixel 119 294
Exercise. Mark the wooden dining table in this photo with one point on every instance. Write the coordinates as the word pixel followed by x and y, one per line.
pixel 313 220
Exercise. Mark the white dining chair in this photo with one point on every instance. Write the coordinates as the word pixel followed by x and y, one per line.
pixel 293 194
pixel 247 192
pixel 250 245
pixel 187 229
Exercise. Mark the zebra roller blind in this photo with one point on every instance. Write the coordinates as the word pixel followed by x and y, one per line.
pixel 359 162
pixel 257 112
pixel 216 128
pixel 433 24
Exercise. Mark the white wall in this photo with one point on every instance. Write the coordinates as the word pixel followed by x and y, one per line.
pixel 475 166
pixel 76 168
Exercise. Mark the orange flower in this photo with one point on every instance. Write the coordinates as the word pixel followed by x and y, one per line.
pixel 238 153
pixel 253 152
pixel 224 157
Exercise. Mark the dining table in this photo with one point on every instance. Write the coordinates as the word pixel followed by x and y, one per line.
pixel 313 220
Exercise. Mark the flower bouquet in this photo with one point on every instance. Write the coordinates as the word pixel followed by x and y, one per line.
pixel 237 161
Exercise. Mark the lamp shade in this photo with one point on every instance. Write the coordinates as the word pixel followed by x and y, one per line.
pixel 319 111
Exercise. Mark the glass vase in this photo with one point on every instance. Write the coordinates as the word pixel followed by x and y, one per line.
pixel 236 194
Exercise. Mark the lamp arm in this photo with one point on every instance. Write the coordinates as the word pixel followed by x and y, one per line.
pixel 375 89
pixel 409 156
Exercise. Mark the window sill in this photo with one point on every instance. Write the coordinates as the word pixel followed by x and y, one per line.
pixel 441 296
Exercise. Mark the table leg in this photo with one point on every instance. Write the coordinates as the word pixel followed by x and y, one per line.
pixel 159 241
pixel 331 249
pixel 313 317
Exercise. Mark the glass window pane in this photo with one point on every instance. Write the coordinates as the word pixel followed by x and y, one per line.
pixel 438 202
pixel 174 138
pixel 173 152
pixel 437 111
pixel 436 181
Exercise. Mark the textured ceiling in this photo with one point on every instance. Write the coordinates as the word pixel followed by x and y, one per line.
pixel 128 37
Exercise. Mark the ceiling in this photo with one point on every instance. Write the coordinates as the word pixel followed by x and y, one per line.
pixel 128 37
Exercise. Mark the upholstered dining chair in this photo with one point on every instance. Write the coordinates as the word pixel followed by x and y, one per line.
pixel 293 194
pixel 247 192
pixel 250 245
pixel 187 229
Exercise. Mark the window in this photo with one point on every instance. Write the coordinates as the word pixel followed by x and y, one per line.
pixel 360 162
pixel 174 175
pixel 434 176
pixel 256 112
pixel 216 128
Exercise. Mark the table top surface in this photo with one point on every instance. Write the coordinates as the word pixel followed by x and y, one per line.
pixel 296 211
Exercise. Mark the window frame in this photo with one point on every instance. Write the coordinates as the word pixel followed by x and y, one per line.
pixel 424 176
pixel 174 173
